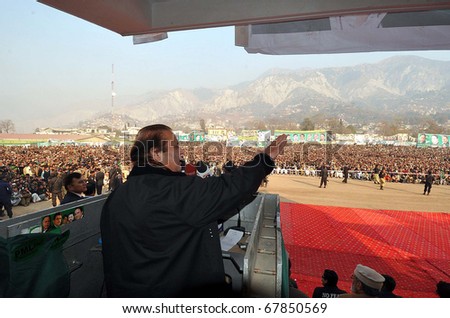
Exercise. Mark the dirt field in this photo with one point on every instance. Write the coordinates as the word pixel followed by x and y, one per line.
pixel 359 194
pixel 356 194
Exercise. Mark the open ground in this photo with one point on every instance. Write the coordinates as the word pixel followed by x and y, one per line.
pixel 355 194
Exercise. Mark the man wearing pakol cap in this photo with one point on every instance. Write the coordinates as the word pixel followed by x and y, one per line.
pixel 366 282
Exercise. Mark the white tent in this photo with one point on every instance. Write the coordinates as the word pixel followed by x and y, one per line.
pixel 425 30
pixel 280 26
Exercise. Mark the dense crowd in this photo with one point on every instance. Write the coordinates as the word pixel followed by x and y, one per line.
pixel 34 172
pixel 402 164
pixel 37 173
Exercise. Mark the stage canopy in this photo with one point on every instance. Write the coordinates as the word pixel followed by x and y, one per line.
pixel 280 26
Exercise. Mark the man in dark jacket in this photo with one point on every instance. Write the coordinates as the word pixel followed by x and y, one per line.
pixel 99 180
pixel 387 291
pixel 55 185
pixel 345 171
pixel 159 229
pixel 330 289
pixel 429 179
pixel 323 176
pixel 5 196
pixel 75 186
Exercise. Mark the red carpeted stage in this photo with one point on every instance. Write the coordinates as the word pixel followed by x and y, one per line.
pixel 412 247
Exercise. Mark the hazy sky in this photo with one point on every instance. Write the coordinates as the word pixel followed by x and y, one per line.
pixel 51 61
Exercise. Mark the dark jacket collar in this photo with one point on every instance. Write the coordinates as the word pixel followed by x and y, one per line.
pixel 139 171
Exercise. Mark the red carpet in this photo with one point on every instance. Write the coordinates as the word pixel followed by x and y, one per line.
pixel 412 247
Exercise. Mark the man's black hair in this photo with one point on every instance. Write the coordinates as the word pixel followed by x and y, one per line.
pixel 443 289
pixel 331 277
pixel 149 137
pixel 389 283
pixel 69 178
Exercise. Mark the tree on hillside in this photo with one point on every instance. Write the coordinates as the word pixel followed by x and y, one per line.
pixel 336 125
pixel 307 124
pixel 7 126
pixel 202 125
pixel 388 128
pixel 350 129
pixel 259 125
pixel 291 126
pixel 432 127
pixel 105 127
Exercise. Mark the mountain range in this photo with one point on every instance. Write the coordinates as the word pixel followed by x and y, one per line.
pixel 405 88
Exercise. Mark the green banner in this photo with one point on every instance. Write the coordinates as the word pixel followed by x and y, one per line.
pixel 33 265
pixel 433 140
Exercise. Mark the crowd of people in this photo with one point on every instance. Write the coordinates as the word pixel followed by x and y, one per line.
pixel 37 173
pixel 405 164
pixel 401 164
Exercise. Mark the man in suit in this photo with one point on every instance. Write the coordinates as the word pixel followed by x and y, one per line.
pixel 429 179
pixel 345 174
pixel 75 186
pixel 115 177
pixel 323 176
pixel 99 180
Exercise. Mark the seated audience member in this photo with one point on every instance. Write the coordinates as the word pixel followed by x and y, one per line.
pixel 42 192
pixel 16 197
pixel 443 289
pixel 366 282
pixel 388 287
pixel 75 186
pixel 25 197
pixel 330 289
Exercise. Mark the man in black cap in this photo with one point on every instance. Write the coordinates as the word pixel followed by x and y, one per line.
pixel 387 291
pixel 330 289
